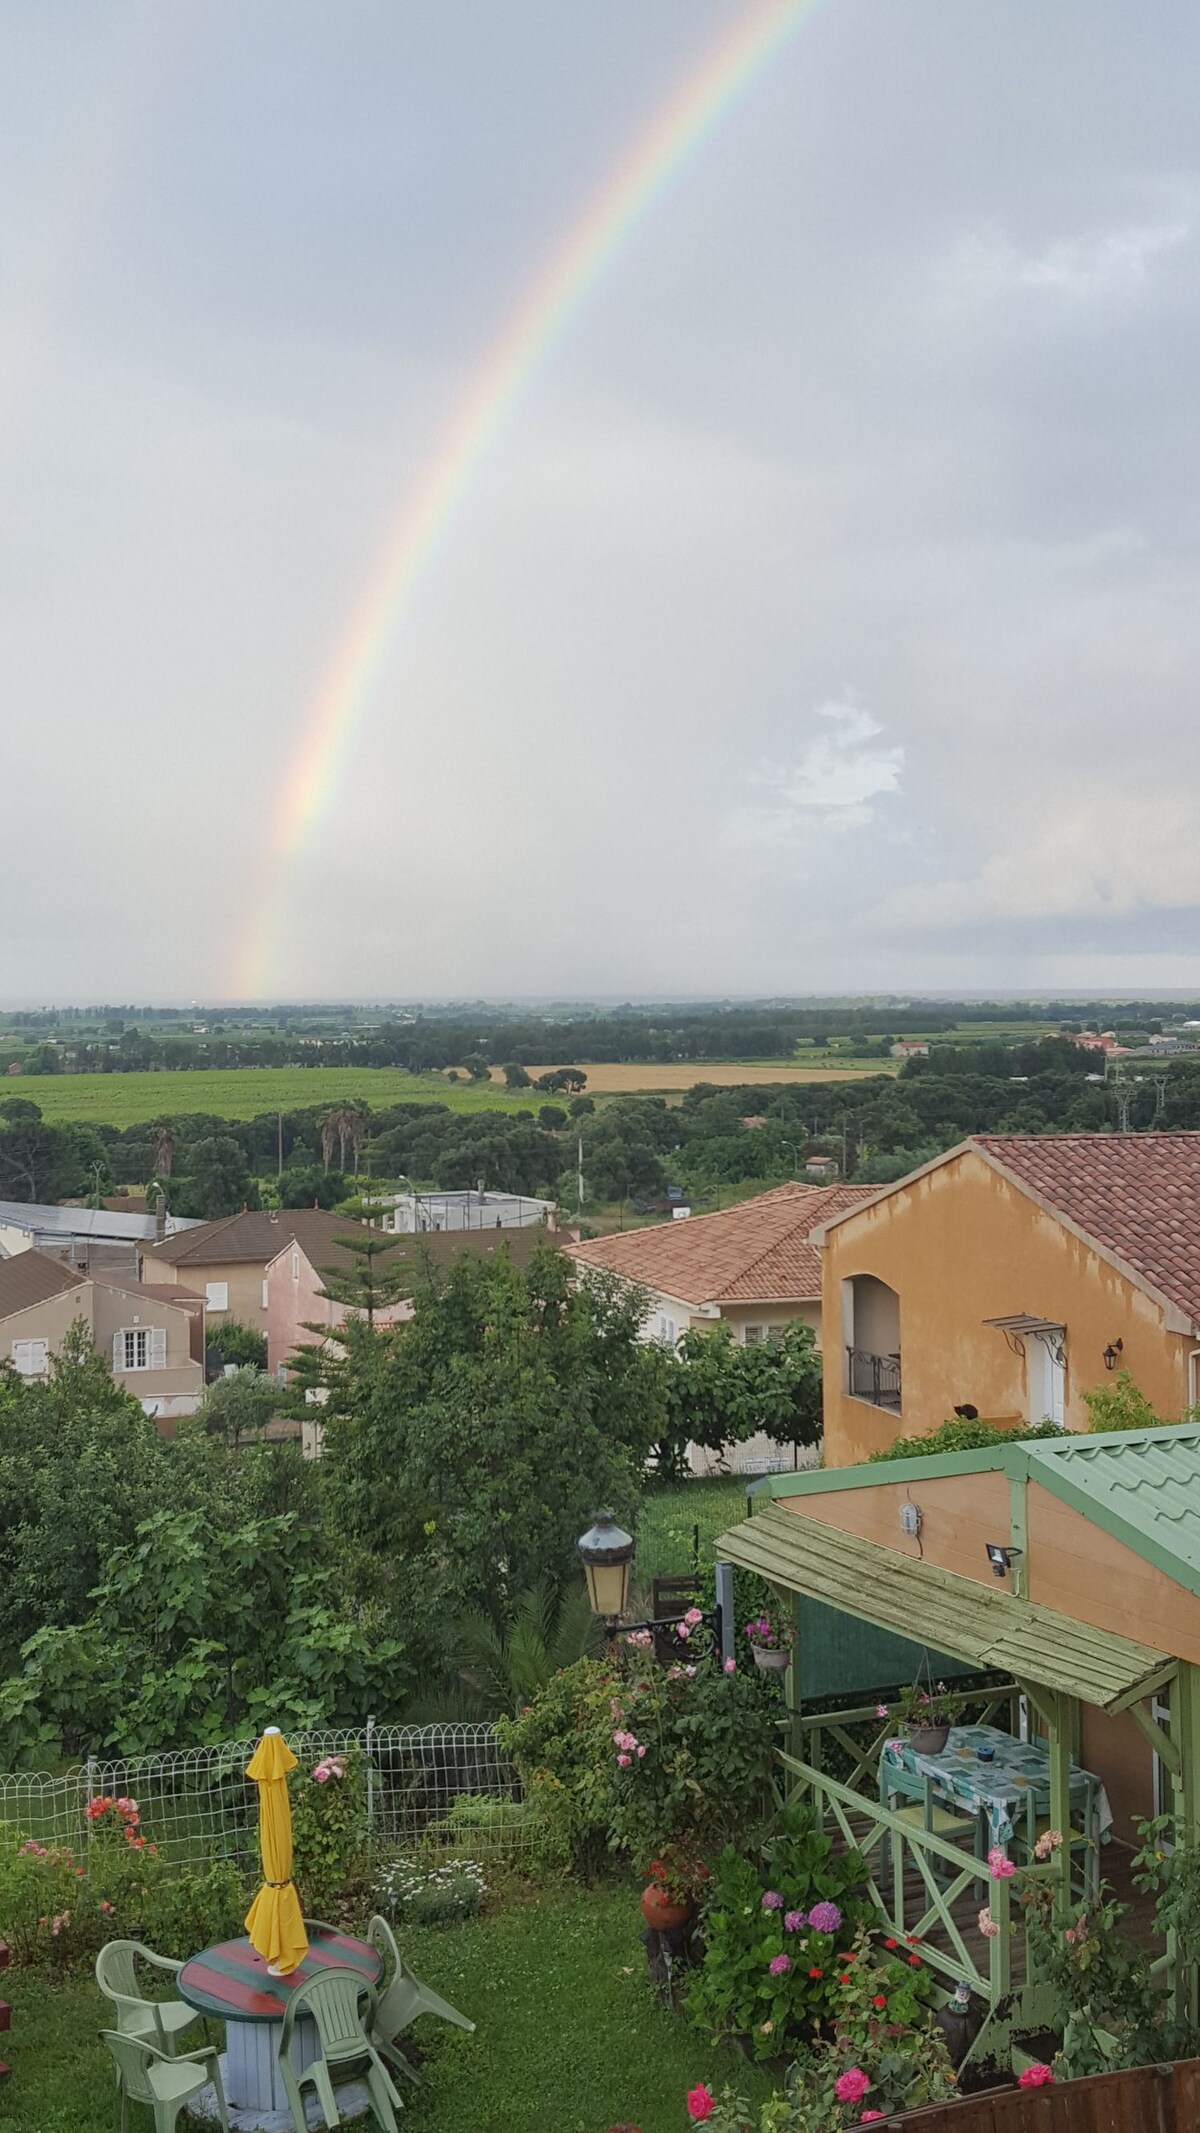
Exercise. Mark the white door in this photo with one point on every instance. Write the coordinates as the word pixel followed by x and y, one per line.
pixel 1047 1379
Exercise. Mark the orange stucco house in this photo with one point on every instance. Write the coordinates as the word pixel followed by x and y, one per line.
pixel 1010 1276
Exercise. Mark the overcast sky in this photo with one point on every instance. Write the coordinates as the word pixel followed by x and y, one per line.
pixel 826 614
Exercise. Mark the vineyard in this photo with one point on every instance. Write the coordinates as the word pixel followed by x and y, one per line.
pixel 245 1092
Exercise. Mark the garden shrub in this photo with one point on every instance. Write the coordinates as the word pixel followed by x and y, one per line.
pixel 329 1833
pixel 962 1436
pixel 562 1747
pixel 881 2053
pixel 777 1923
pixel 694 1746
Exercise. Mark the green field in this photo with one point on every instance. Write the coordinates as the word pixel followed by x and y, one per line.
pixel 245 1092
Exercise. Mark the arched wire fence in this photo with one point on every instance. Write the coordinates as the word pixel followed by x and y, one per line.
pixel 451 1786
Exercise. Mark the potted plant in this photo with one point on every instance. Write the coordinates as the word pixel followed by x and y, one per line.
pixel 770 1642
pixel 672 1882
pixel 927 1714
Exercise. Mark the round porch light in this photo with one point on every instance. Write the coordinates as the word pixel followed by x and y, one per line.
pixel 607 1551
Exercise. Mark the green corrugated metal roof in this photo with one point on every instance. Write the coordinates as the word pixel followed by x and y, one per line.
pixel 1142 1486
pixel 952 1614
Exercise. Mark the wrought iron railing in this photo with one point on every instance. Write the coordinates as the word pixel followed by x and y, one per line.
pixel 875 1378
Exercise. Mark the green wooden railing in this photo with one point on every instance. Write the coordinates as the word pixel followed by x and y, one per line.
pixel 814 1732
pixel 891 1847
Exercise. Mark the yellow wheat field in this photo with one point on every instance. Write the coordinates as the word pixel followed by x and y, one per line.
pixel 648 1078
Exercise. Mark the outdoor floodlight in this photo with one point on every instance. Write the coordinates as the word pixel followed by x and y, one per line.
pixel 607 1551
pixel 1001 1559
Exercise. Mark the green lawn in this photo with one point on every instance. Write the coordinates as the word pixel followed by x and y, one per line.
pixel 245 1092
pixel 668 1520
pixel 570 2037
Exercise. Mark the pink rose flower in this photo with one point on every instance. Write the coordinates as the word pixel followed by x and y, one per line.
pixel 731 1666
pixel 851 2086
pixel 623 1761
pixel 1036 2076
pixel 701 2103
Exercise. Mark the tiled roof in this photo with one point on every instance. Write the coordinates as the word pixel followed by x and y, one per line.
pixel 254 1236
pixel 1137 1195
pixel 30 1277
pixel 758 1252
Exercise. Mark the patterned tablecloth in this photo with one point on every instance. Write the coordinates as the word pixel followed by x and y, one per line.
pixel 999 1786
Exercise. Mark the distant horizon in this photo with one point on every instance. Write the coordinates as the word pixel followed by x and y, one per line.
pixel 900 997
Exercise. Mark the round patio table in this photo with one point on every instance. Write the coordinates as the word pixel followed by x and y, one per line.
pixel 232 1982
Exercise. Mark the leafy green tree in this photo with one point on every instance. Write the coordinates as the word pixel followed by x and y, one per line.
pixel 723 1391
pixel 218 1180
pixel 311 1188
pixel 80 1465
pixel 473 1443
pixel 235 1343
pixel 237 1408
pixel 515 1076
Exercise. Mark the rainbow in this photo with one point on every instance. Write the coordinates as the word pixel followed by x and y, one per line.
pixel 714 84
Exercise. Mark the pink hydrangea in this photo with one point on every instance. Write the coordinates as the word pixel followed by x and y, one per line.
pixel 772 1901
pixel 851 2086
pixel 793 1920
pixel 824 1918
pixel 779 1965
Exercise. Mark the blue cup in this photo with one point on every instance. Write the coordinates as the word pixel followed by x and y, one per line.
pixel 986 1755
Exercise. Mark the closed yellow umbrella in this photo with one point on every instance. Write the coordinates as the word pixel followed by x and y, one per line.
pixel 273 1922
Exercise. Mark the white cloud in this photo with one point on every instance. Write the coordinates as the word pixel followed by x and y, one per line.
pixel 1104 263
pixel 837 775
pixel 1100 854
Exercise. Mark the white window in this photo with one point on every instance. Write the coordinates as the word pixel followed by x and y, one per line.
pixel 217 1295
pixel 139 1348
pixel 752 1335
pixel 666 1330
pixel 29 1358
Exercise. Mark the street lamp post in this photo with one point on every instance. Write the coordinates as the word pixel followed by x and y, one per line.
pixel 606 1551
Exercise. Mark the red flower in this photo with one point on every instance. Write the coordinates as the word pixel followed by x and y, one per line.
pixel 879 2000
pixel 891 1944
pixel 845 1978
pixel 816 1973
pixel 701 2103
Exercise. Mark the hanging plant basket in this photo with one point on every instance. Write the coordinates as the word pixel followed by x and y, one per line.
pixel 770 1662
pixel 928 1740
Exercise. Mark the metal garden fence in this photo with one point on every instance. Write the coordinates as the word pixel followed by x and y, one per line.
pixel 449 1786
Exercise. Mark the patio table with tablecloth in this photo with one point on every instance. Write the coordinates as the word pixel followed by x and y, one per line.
pixel 232 1981
pixel 998 1786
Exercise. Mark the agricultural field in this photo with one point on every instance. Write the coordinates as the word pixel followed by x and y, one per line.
pixel 243 1092
pixel 648 1078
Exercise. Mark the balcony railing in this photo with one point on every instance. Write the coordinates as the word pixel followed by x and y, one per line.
pixel 875 1378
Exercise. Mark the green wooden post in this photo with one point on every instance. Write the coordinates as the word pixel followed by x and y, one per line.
pixel 1000 1945
pixel 1061 1713
pixel 792 1681
pixel 1018 1536
pixel 1185 1733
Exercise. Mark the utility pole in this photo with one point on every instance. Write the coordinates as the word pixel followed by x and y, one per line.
pixel 579 1173
pixel 279 1116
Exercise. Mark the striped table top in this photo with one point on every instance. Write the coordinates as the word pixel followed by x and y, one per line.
pixel 231 1979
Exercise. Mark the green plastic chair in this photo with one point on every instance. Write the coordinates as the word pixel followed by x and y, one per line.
pixel 146 2075
pixel 159 2022
pixel 333 1998
pixel 402 1999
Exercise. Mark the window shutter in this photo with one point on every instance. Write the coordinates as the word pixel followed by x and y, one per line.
pixel 158 1347
pixel 118 1351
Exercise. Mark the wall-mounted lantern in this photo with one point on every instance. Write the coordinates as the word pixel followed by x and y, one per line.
pixel 1111 1353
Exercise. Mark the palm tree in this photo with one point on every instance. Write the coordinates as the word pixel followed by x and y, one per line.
pixel 505 1667
pixel 329 1134
pixel 163 1135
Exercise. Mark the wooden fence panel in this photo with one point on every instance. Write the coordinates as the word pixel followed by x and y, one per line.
pixel 1150 2099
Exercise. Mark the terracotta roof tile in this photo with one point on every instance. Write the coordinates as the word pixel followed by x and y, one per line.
pixel 1136 1194
pixel 758 1252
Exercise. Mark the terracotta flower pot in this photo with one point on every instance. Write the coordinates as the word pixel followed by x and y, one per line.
pixel 659 1912
pixel 770 1662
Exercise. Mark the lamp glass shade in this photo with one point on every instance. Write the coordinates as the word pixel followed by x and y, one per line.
pixel 606 1551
